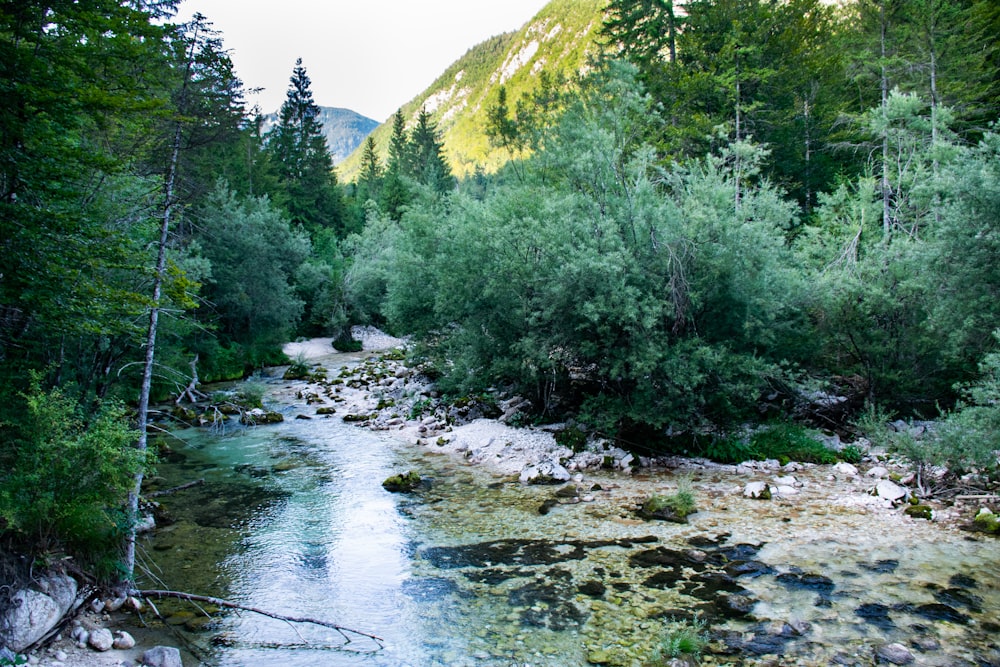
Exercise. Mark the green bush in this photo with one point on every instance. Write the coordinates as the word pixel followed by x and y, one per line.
pixel 70 478
pixel 790 442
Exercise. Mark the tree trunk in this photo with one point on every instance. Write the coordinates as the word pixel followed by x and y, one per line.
pixel 154 317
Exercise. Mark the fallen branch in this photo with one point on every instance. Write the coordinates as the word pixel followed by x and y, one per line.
pixel 218 602
pixel 166 492
pixel 191 391
pixel 983 496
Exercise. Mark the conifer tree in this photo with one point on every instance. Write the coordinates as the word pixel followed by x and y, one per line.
pixel 298 150
pixel 427 163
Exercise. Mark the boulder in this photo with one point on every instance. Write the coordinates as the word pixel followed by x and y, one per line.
pixel 34 612
pixel 878 472
pixel 889 490
pixel 402 483
pixel 759 490
pixel 162 656
pixel 101 639
pixel 844 468
pixel 124 641
pixel 545 472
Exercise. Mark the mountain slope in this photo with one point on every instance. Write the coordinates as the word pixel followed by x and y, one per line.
pixel 557 40
pixel 344 130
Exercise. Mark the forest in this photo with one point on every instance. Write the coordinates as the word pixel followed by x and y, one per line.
pixel 739 208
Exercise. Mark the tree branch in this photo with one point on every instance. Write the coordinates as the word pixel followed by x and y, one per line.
pixel 218 602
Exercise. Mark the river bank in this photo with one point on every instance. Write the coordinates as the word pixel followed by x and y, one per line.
pixel 843 573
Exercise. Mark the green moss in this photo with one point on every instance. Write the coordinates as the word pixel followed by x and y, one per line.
pixel 920 512
pixel 402 483
pixel 987 522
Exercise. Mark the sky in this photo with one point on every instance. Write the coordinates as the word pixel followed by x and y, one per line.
pixel 370 56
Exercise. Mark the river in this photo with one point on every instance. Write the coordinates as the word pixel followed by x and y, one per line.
pixel 292 519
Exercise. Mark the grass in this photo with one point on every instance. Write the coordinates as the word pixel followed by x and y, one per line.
pixel 684 639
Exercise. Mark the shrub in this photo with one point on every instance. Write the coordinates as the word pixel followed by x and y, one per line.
pixel 70 478
pixel 790 442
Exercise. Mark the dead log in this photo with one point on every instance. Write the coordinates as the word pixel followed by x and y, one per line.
pixel 166 492
pixel 344 632
pixel 190 392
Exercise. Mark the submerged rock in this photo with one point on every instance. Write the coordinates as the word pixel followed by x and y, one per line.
pixel 162 656
pixel 402 483
pixel 896 654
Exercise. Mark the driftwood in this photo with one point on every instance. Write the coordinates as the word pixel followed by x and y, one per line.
pixel 983 496
pixel 191 392
pixel 344 632
pixel 166 492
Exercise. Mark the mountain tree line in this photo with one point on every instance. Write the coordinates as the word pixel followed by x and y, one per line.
pixel 739 205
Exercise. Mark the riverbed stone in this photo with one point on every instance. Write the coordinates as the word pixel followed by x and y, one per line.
pixel 845 468
pixel 759 490
pixel 545 472
pixel 123 641
pixel 889 490
pixel 894 653
pixel 162 656
pixel 101 640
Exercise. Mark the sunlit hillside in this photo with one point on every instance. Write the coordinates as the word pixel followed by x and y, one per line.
pixel 558 40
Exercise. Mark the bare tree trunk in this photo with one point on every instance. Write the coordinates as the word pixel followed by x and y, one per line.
pixel 154 317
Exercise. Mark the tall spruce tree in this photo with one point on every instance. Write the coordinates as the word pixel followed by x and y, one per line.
pixel 426 161
pixel 298 150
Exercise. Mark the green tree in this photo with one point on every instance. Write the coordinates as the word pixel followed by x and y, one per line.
pixel 425 156
pixel 254 255
pixel 298 151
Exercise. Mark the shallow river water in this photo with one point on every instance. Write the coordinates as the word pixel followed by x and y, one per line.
pixel 292 519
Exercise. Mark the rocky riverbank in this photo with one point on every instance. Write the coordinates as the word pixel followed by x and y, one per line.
pixel 596 486
pixel 383 394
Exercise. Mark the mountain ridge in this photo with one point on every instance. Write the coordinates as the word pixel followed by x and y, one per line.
pixel 343 129
pixel 557 40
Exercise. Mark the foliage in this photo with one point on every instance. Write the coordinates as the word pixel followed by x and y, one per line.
pixel 683 639
pixel 786 441
pixel 680 503
pixel 254 254
pixel 66 481
pixel 297 148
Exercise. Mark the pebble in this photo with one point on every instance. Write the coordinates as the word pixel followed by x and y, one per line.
pixel 897 654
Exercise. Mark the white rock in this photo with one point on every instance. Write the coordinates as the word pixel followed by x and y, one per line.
pixel 844 468
pixel 787 480
pixel 162 656
pixel 757 490
pixel 124 641
pixel 101 640
pixel 889 490
pixel 79 634
pixel 784 491
pixel 878 472
pixel 545 472
pixel 61 656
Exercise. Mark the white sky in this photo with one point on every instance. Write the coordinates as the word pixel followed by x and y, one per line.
pixel 370 56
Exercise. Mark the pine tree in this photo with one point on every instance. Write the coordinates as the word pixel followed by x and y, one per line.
pixel 426 159
pixel 309 187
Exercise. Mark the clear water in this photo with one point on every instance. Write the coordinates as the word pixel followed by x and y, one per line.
pixel 293 519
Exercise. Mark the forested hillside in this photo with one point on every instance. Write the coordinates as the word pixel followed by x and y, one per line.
pixel 555 43
pixel 735 212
